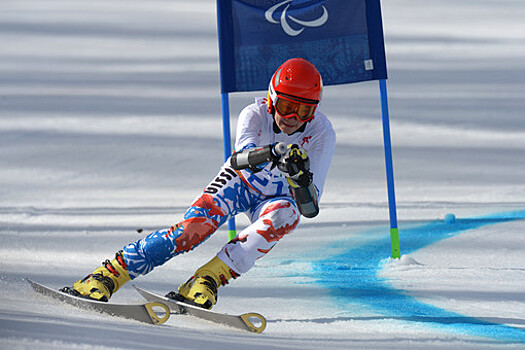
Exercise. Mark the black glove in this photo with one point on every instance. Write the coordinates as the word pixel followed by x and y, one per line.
pixel 295 165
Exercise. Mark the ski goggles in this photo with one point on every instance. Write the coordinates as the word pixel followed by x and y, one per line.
pixel 288 109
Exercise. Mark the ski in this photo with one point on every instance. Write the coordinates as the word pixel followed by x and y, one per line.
pixel 252 322
pixel 140 312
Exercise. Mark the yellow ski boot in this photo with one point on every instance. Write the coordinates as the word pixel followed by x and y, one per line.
pixel 201 288
pixel 103 282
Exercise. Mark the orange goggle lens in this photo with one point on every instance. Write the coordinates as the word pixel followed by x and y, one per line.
pixel 288 109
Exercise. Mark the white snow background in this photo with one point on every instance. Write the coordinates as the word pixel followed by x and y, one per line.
pixel 110 121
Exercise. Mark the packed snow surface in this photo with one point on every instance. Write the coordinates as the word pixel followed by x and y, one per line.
pixel 110 122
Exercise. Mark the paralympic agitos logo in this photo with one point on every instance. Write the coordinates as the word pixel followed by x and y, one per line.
pixel 285 18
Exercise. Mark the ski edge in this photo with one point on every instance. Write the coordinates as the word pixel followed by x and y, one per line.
pixel 139 312
pixel 243 322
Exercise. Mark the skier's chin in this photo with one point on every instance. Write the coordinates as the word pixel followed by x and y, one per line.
pixel 287 125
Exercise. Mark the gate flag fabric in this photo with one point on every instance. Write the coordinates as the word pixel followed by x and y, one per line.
pixel 342 38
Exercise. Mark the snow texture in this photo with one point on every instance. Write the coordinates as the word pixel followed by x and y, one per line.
pixel 110 122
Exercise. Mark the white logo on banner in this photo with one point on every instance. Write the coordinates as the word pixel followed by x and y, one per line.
pixel 284 19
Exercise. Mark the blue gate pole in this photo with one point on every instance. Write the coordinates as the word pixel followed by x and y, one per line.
pixel 394 231
pixel 226 135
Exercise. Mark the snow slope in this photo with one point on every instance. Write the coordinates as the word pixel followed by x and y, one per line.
pixel 110 122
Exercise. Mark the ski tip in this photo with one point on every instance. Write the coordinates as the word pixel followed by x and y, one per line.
pixel 35 285
pixel 255 322
pixel 144 293
pixel 138 289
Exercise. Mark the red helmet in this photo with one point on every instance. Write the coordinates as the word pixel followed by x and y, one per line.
pixel 296 80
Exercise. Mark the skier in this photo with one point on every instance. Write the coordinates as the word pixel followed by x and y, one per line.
pixel 284 147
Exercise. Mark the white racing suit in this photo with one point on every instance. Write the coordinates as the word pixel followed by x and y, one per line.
pixel 263 196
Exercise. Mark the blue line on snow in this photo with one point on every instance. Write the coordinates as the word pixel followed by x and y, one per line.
pixel 352 278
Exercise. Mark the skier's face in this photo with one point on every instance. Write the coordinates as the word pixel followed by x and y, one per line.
pixel 287 125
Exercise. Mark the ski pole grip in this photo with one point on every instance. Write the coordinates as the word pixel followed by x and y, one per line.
pixel 255 156
pixel 280 149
